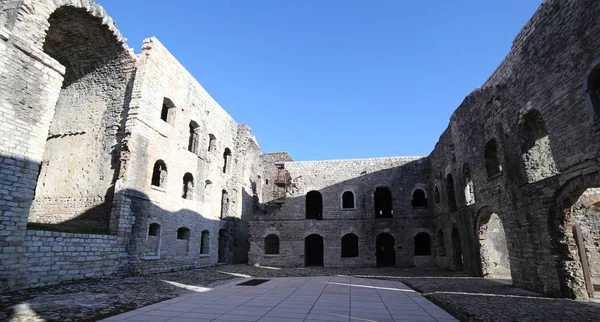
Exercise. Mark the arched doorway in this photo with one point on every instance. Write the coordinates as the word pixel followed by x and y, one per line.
pixel 222 245
pixel 493 250
pixel 575 234
pixel 313 250
pixel 386 250
pixel 457 257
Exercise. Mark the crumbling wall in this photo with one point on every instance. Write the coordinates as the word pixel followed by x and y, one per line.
pixel 542 75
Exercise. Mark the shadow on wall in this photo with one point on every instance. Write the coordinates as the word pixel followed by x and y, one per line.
pixel 149 239
pixel 377 207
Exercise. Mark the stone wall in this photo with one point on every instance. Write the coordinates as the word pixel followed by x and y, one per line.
pixel 535 108
pixel 332 178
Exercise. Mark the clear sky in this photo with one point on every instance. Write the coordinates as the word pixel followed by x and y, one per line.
pixel 333 79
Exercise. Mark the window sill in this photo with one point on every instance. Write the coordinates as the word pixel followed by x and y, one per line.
pixel 146 258
pixel 348 209
pixel 204 255
pixel 271 255
pixel 158 188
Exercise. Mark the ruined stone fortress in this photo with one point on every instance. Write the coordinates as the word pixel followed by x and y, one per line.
pixel 113 163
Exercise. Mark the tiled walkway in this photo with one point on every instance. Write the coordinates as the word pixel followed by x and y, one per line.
pixel 296 299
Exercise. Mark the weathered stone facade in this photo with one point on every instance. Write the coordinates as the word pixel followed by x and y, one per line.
pixel 140 170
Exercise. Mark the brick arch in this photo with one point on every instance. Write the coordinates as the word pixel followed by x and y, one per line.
pixel 559 216
pixel 32 19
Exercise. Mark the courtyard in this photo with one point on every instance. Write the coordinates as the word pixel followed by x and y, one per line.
pixel 331 294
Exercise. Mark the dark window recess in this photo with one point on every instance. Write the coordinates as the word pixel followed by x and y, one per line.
pixel 167 113
pixel 422 244
pixel 383 203
pixel 419 200
pixel 183 233
pixel 492 159
pixel 153 229
pixel 205 242
pixel 226 158
pixel 159 174
pixel 194 137
pixel 188 186
pixel 212 143
pixel 350 245
pixel 437 195
pixel 314 205
pixel 272 245
pixel 450 192
pixel 348 200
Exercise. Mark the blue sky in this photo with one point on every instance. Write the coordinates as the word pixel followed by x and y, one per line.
pixel 333 79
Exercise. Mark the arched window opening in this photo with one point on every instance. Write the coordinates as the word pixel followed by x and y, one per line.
pixel 422 244
pixel 535 148
pixel 208 192
pixel 383 203
pixel 469 187
pixel 493 248
pixel 419 199
pixel 450 192
pixel 205 242
pixel 437 195
pixel 212 143
pixel 272 245
pixel 441 249
pixel 314 205
pixel 592 93
pixel 188 186
pixel 153 229
pixel 492 159
pixel 224 204
pixel 167 113
pixel 159 175
pixel 350 245
pixel 152 246
pixel 183 233
pixel 226 159
pixel 194 138
pixel 183 241
pixel 348 200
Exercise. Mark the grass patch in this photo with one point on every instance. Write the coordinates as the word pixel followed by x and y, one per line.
pixel 66 229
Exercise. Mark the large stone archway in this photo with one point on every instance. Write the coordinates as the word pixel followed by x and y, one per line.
pixel 573 223
pixel 493 249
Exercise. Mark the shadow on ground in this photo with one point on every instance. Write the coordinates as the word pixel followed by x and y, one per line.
pixel 467 298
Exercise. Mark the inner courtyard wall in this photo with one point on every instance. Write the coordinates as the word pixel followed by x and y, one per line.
pixel 540 175
pixel 287 219
pixel 544 71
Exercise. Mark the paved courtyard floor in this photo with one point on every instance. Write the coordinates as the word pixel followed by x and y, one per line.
pixel 296 299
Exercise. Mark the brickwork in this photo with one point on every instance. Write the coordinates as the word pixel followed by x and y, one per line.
pixel 331 179
pixel 95 137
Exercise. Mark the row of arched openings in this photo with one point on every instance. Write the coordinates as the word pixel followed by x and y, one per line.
pixel 349 245
pixel 183 236
pixel 168 115
pixel 382 200
pixel 536 157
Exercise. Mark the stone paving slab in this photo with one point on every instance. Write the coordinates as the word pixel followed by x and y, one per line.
pixel 296 299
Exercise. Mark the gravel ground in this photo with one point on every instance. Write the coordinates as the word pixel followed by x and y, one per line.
pixel 469 299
